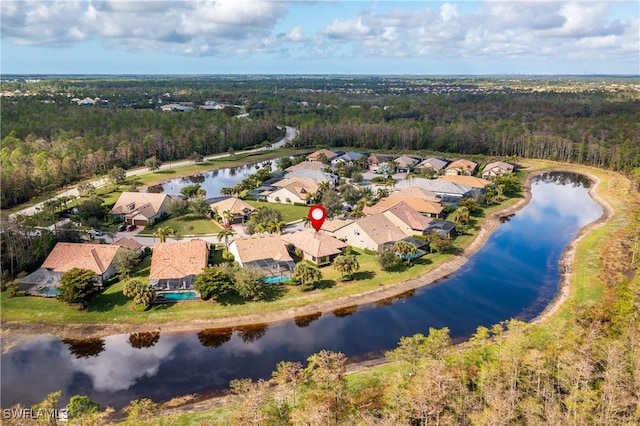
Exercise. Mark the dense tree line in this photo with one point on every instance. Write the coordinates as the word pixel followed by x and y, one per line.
pixel 47 146
pixel 568 127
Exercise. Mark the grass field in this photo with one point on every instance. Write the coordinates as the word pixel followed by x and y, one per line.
pixel 289 213
pixel 186 225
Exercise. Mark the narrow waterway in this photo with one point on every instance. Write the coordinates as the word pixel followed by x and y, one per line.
pixel 515 275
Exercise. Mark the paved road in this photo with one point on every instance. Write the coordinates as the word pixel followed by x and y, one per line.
pixel 291 134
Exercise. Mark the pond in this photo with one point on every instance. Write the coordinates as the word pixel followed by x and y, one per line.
pixel 211 181
pixel 515 275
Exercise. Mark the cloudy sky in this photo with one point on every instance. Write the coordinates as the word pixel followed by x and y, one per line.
pixel 320 37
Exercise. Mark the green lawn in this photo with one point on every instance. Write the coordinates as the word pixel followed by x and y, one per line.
pixel 186 225
pixel 289 212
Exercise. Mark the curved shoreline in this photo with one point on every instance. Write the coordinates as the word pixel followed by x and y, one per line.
pixel 489 225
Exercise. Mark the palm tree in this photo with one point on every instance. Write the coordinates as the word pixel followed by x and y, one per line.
pixel 279 226
pixel 324 186
pixel 306 221
pixel 162 233
pixel 224 234
pixel 260 228
pixel 346 264
pixel 227 217
pixel 405 248
pixel 461 215
pixel 305 273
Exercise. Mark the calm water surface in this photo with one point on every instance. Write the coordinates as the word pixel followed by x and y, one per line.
pixel 515 275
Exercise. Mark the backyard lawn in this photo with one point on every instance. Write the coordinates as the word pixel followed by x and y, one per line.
pixel 186 225
pixel 289 213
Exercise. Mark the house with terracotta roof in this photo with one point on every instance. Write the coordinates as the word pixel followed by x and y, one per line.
pixel 317 155
pixel 370 232
pixel 330 226
pixel 497 168
pixel 461 167
pixel 98 258
pixel 405 163
pixel 471 181
pixel 407 219
pixel 267 252
pixel 416 198
pixel 316 247
pixel 175 265
pixel 293 190
pixel 129 243
pixel 307 165
pixel 141 208
pixel 232 210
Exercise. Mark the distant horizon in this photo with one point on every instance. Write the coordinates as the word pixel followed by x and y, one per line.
pixel 308 75
pixel 356 37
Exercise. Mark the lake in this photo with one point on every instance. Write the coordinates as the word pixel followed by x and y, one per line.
pixel 515 275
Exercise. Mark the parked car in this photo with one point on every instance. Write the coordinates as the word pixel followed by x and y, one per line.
pixel 96 232
pixel 130 227
pixel 122 227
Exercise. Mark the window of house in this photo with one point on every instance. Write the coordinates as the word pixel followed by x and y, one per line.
pixel 131 206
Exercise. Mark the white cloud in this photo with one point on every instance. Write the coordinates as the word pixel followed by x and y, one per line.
pixel 296 34
pixel 449 11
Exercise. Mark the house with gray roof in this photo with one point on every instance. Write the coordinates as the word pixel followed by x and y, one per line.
pixel 370 232
pixel 435 164
pixel 442 188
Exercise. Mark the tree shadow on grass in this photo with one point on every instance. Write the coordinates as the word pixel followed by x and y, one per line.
pixel 274 292
pixel 363 275
pixel 106 302
pixel 325 284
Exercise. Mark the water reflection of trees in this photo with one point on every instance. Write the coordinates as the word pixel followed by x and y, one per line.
pixel 389 300
pixel 85 348
pixel 144 339
pixel 197 178
pixel 155 189
pixel 252 332
pixel 346 311
pixel 564 178
pixel 304 320
pixel 215 337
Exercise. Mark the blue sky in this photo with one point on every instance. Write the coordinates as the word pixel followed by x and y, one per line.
pixel 320 37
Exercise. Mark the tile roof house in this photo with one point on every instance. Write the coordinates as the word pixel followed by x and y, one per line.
pixel 497 168
pixel 317 175
pixel 240 209
pixel 444 228
pixel 375 160
pixel 444 189
pixel 293 190
pixel 175 265
pixel 307 165
pixel 405 163
pixel 471 181
pixel 141 208
pixel 416 198
pixel 330 226
pixel 98 258
pixel 267 252
pixel 317 247
pixel 347 157
pixel 370 232
pixel 315 156
pixel 407 219
pixel 128 243
pixel 435 164
pixel 461 167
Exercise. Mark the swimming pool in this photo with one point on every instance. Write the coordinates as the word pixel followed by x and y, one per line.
pixel 48 292
pixel 178 295
pixel 276 279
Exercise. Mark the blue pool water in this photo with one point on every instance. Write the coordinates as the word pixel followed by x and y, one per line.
pixel 178 295
pixel 276 279
pixel 48 291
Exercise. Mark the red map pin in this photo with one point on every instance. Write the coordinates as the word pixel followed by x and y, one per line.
pixel 317 215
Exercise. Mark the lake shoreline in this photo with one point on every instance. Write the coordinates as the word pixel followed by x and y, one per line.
pixel 14 329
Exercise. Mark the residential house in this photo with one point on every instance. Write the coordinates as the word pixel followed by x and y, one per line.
pixel 316 247
pixel 444 228
pixel 98 258
pixel 370 232
pixel 318 155
pixel 141 208
pixel 130 244
pixel 407 219
pixel 405 163
pixel 175 265
pixel 317 175
pixel 307 165
pixel 347 158
pixel 446 191
pixel 293 190
pixel 424 202
pixel 497 168
pixel 177 107
pixel 232 210
pixel 437 165
pixel 471 181
pixel 375 160
pixel 330 226
pixel 461 167
pixel 267 252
